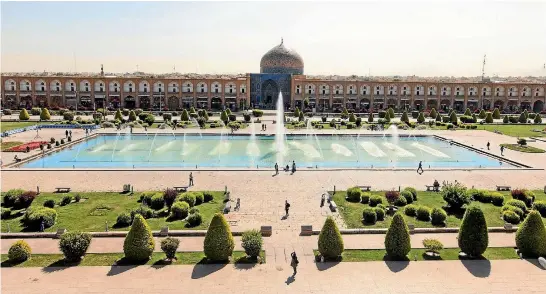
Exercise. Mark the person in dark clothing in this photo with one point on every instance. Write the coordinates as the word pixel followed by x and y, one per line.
pixel 42 225
pixel 66 134
pixel 293 166
pixel 70 133
pixel 286 207
pixel 488 144
pixel 420 168
pixel 294 262
pixel 191 179
pixel 502 150
pixel 276 168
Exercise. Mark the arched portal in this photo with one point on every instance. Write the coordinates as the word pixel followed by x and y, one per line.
pixel 270 94
pixel 173 103
pixel 538 106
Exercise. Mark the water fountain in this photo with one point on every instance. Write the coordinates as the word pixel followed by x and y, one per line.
pixel 194 121
pixel 151 146
pixel 279 131
pixel 252 149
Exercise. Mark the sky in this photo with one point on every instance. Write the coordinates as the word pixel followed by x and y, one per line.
pixel 433 38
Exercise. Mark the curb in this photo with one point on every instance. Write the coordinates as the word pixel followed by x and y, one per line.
pixel 112 234
pixel 418 231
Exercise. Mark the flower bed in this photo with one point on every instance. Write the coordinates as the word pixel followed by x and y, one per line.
pixel 23 147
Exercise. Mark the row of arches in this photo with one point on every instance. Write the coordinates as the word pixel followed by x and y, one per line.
pixel 128 86
pixel 419 90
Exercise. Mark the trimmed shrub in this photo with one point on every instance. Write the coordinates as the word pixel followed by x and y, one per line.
pixel 365 197
pixel 505 119
pixel 20 251
pixel 515 209
pixel 123 220
pixel 433 245
pixel 69 116
pixel 352 118
pixel 169 196
pixel 467 112
pixel 194 219
pixel 489 118
pixel 453 118
pixel 540 206
pixel 49 203
pixel 132 116
pixel 522 118
pixel 66 200
pixel 438 216
pixel 74 245
pixel 188 197
pixel 400 201
pixel 194 210
pixel 25 200
pixel 44 115
pixel 6 212
pixel 185 116
pixel 199 197
pixel 139 243
pixel 34 216
pixel 169 245
pixel 496 198
pixel 330 241
pixel 392 196
pixel 411 210
pixel 404 117
pixel 353 194
pixel 421 118
pixel 510 216
pixel 219 242
pixel 252 243
pixel 531 236
pixel 473 237
pixel 369 216
pixel 370 117
pixel 179 210
pixel 423 213
pixel 433 113
pixel 397 240
pixel 144 211
pixel 11 196
pixel 375 200
pixel 413 192
pixel 476 194
pixel 23 115
pixel 150 119
pixel 257 113
pixel 157 202
pixel 207 196
pixel 77 198
pixel 146 198
pixel 537 119
pixel 407 196
pixel 482 114
pixel 496 113
pixel 455 195
pixel 517 203
pixel 380 213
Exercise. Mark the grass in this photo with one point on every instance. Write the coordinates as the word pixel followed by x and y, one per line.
pixel 352 212
pixel 524 148
pixel 363 255
pixel 8 145
pixel 6 126
pixel 516 130
pixel 109 259
pixel 97 208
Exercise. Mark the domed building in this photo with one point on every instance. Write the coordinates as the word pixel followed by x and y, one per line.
pixel 277 67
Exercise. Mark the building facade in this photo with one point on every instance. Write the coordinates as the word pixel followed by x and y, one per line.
pixel 281 71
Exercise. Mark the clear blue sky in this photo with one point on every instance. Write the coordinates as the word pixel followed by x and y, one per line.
pixel 385 38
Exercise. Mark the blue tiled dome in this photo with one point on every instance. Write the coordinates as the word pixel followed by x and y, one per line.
pixel 281 60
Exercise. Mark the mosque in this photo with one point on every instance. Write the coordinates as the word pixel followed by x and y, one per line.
pixel 281 71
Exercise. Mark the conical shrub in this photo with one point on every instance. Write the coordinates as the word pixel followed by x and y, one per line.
pixel 391 112
pixel 421 118
pixel 185 115
pixel 433 113
pixel 531 236
pixel 132 116
pixel 44 115
pixel 453 117
pixel 489 118
pixel 438 117
pixel 467 112
pixel 496 114
pixel 118 115
pixel 370 118
pixel 404 117
pixel 23 115
pixel 473 237
pixel 139 243
pixel 330 242
pixel 538 119
pixel 482 114
pixel 397 240
pixel 218 245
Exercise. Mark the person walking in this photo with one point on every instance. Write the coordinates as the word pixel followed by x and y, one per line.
pixel 66 134
pixel 488 144
pixel 286 207
pixel 294 262
pixel 276 168
pixel 191 179
pixel 70 133
pixel 293 166
pixel 502 150
pixel 420 167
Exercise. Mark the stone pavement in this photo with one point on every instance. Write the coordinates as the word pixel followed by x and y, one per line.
pixel 498 276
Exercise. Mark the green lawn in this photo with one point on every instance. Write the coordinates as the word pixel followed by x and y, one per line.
pixel 6 126
pixel 525 149
pixel 98 208
pixel 109 259
pixel 362 255
pixel 352 212
pixel 515 130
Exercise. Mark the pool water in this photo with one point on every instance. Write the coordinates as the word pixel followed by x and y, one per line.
pixel 187 151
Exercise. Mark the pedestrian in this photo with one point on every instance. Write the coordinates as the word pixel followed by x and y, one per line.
pixel 286 207
pixel 488 144
pixel 502 150
pixel 70 133
pixel 42 225
pixel 265 127
pixel 294 263
pixel 420 167
pixel 293 166
pixel 145 128
pixel 276 168
pixel 191 179
pixel 66 134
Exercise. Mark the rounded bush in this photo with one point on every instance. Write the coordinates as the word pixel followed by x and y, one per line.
pixel 139 243
pixel 514 209
pixel 353 194
pixel 6 212
pixel 169 245
pixel 252 242
pixel 510 216
pixel 497 198
pixel 400 201
pixel 20 251
pixel 412 191
pixel 397 240
pixel 380 213
pixel 199 198
pixel 407 195
pixel 194 210
pixel 531 236
pixel 25 200
pixel 158 202
pixel 411 210
pixel 146 198
pixel 365 197
pixel 34 216
pixel 517 203
pixel 438 216
pixel 330 241
pixel 124 219
pixel 194 219
pixel 23 115
pixel 179 210
pixel 66 200
pixel 423 213
pixel 540 206
pixel 473 238
pixel 11 196
pixel 375 200
pixel 218 244
pixel 207 196
pixel 455 195
pixel 369 216
pixel 189 198
pixel 144 211
pixel 49 203
pixel 74 245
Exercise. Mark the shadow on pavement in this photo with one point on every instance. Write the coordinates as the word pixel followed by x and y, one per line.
pixel 58 265
pixel 478 268
pixel 322 266
pixel 397 266
pixel 534 261
pixel 203 270
pixel 122 266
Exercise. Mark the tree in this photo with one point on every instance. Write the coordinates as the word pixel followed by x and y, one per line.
pixel 192 109
pixel 44 115
pixel 218 245
pixel 522 119
pixel 526 114
pixel 224 117
pixel 370 118
pixel 421 118
pixel 438 118
pixel 185 116
pixel 489 118
pixel 150 119
pixel 404 117
pixel 453 117
pixel 74 245
pixel 330 242
pixel 23 115
pixel 468 112
pixel 473 238
pixel 391 112
pixel 538 119
pixel 132 115
pixel 352 117
pixel 433 113
pixel 482 114
pixel 505 119
pixel 397 240
pixel 118 115
pixel 139 243
pixel 297 112
pixel 301 118
pixel 206 116
pixel 455 195
pixel 19 251
pixel 306 102
pixel 531 236
pixel 252 242
pixel 496 113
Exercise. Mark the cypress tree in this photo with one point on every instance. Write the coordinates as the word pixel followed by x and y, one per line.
pixel 44 115
pixel 185 116
pixel 397 240
pixel 23 115
pixel 433 113
pixel 139 243
pixel 531 236
pixel 421 118
pixel 496 113
pixel 118 115
pixel 473 237
pixel 404 117
pixel 218 244
pixel 132 116
pixel 468 112
pixel 330 242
